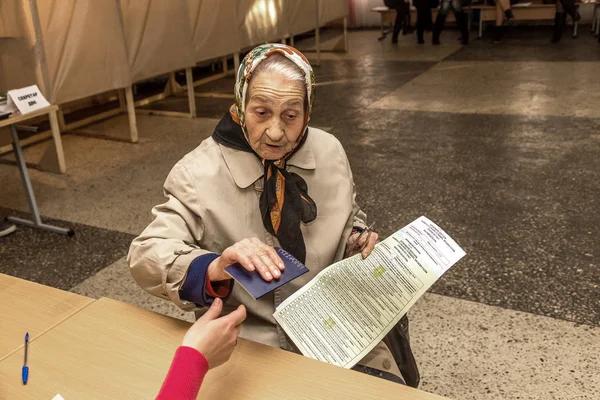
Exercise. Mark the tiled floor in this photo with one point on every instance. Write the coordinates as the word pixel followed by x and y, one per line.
pixel 364 45
pixel 502 87
pixel 60 261
pixel 498 143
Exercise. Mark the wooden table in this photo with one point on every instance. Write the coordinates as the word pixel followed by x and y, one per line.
pixel 111 350
pixel 30 307
pixel 12 121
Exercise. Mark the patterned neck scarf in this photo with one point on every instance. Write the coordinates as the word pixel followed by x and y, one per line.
pixel 284 202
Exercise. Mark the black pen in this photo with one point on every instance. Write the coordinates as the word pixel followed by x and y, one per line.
pixel 25 370
pixel 366 231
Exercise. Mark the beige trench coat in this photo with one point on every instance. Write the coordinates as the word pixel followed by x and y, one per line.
pixel 213 202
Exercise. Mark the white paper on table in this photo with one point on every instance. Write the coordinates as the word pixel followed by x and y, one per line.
pixel 26 99
pixel 58 397
pixel 348 308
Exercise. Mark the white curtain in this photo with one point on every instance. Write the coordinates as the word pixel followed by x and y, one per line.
pixel 301 15
pixel 211 23
pixel 158 37
pixel 84 48
pixel 260 21
pixel 361 15
pixel 18 59
pixel 331 10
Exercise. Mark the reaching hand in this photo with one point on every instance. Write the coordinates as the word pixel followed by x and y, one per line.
pixel 215 337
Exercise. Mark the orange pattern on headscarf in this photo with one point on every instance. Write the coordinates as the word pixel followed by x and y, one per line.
pixel 280 195
pixel 233 111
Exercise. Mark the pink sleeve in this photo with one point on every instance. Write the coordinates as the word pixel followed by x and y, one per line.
pixel 185 375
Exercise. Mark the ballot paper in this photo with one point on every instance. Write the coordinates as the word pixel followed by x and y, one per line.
pixel 348 308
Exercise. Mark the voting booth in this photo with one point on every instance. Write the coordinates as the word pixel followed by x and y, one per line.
pixel 82 53
pixel 260 21
pixel 158 38
pixel 330 10
pixel 213 32
pixel 84 49
pixel 304 16
pixel 85 52
pixel 71 49
pixel 301 16
pixel 19 65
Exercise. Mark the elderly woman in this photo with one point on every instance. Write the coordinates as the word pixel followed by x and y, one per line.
pixel 263 179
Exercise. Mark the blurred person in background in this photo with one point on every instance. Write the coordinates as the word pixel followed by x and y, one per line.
pixel 424 18
pixel 563 8
pixel 503 13
pixel 402 21
pixel 462 19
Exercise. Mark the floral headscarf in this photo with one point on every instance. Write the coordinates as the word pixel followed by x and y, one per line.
pixel 284 202
pixel 247 68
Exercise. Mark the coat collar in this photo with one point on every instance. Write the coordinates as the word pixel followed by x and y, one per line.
pixel 246 168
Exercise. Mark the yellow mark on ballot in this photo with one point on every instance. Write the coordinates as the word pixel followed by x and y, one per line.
pixel 329 323
pixel 378 271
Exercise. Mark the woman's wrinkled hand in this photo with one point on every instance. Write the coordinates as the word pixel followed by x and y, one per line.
pixel 253 255
pixel 365 244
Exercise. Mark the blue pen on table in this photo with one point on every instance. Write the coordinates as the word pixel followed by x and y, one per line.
pixel 25 370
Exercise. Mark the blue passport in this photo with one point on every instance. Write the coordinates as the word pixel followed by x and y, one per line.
pixel 256 286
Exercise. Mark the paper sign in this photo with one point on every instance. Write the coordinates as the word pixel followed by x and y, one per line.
pixel 27 99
